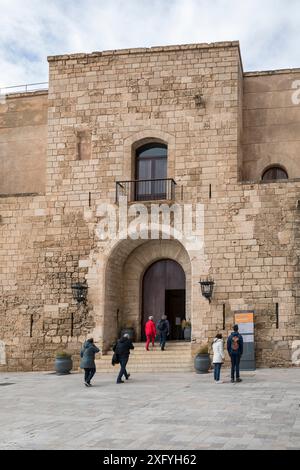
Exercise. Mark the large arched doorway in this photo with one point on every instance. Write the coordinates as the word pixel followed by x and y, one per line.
pixel 118 293
pixel 164 293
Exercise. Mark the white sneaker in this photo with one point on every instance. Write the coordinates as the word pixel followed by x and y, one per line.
pixel 219 381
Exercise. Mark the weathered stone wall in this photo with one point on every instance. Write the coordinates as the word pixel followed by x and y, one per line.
pixel 116 99
pixel 23 143
pixel 271 122
pixel 38 264
pixel 125 97
pixel 255 264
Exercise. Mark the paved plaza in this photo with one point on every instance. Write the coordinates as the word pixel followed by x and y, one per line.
pixel 158 411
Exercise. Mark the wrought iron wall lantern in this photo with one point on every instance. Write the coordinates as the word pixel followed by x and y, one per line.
pixel 79 290
pixel 207 288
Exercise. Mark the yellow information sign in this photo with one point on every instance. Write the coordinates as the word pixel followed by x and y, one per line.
pixel 244 318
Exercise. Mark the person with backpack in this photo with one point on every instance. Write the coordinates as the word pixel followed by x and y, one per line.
pixel 122 351
pixel 218 358
pixel 87 363
pixel 235 351
pixel 163 327
pixel 150 331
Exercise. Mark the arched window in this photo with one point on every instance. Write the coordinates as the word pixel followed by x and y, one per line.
pixel 274 173
pixel 151 171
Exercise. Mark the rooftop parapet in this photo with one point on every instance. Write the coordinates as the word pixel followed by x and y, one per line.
pixel 144 50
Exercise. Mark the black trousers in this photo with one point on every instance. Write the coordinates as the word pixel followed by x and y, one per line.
pixel 163 339
pixel 123 371
pixel 89 374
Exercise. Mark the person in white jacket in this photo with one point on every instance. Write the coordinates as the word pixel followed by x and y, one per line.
pixel 218 358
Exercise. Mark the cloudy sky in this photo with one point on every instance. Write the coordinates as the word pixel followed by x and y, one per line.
pixel 268 30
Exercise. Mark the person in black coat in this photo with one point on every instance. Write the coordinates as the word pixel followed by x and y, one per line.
pixel 122 349
pixel 163 327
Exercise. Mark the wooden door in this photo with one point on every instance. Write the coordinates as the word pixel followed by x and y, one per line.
pixel 162 282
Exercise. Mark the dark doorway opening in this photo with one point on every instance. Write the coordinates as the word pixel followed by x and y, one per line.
pixel 164 294
pixel 175 311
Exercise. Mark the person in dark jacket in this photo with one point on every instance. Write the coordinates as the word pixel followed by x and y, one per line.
pixel 87 363
pixel 235 351
pixel 163 327
pixel 122 349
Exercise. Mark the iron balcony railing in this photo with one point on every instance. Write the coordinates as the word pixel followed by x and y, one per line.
pixel 146 190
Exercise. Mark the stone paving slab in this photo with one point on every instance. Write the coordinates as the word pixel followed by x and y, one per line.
pixel 151 411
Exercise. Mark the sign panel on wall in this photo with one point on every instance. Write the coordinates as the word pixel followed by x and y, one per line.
pixel 245 320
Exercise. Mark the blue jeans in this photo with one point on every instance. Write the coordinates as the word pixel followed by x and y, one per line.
pixel 89 374
pixel 235 365
pixel 217 370
pixel 123 371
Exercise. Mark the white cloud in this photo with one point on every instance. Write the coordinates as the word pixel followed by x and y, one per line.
pixel 32 29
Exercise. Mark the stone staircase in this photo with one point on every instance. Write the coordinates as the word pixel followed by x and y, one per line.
pixel 175 358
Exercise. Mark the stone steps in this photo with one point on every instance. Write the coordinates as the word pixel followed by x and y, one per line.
pixel 153 358
pixel 169 344
pixel 176 357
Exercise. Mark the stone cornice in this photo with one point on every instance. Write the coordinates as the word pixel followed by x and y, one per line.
pixel 144 50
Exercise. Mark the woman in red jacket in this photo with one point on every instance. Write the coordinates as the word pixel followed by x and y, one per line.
pixel 150 330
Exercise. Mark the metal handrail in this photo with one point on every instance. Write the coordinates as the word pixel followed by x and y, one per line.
pixel 146 180
pixel 24 88
pixel 138 189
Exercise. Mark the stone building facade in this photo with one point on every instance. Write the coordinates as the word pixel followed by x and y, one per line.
pixel 63 155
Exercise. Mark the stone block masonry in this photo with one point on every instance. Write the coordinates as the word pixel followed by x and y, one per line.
pixel 101 107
